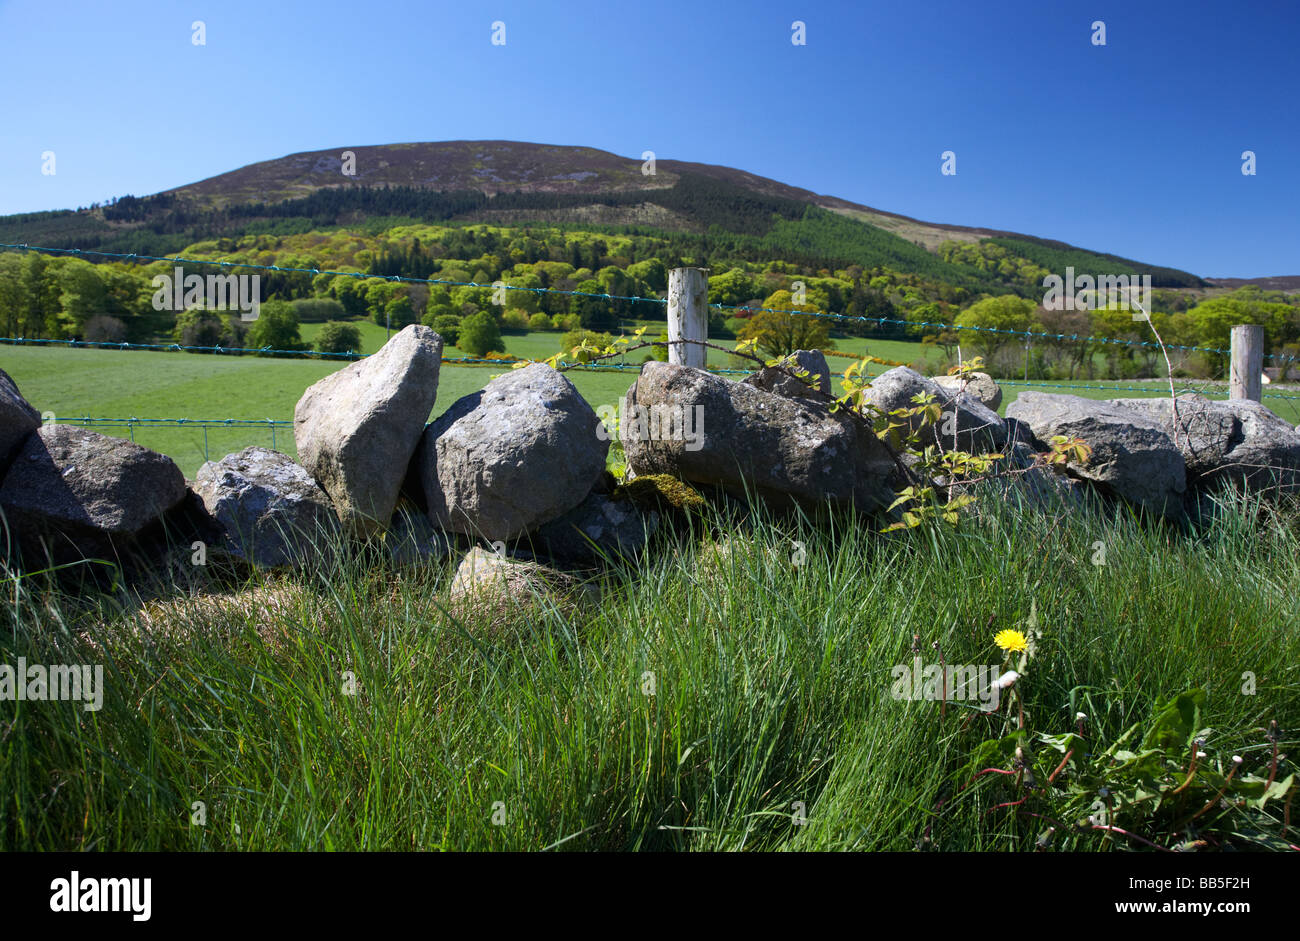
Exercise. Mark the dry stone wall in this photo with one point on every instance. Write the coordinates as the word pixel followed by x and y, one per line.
pixel 519 466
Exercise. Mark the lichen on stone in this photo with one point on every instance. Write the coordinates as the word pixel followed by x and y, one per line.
pixel 663 493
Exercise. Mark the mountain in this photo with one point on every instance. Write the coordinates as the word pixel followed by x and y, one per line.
pixel 1289 283
pixel 494 167
pixel 729 212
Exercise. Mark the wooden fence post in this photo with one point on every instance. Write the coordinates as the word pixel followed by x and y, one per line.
pixel 1244 379
pixel 688 316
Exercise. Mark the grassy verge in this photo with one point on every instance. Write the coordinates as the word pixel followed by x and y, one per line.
pixel 705 694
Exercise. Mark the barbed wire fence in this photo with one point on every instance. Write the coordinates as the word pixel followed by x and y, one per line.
pixel 276 428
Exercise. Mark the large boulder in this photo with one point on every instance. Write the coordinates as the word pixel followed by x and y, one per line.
pixel 412 540
pixel 812 362
pixel 1020 433
pixel 1022 482
pixel 980 385
pixel 17 419
pixel 1237 440
pixel 979 429
pixel 357 428
pixel 272 512
pixel 787 450
pixel 497 590
pixel 597 528
pixel 519 453
pixel 79 494
pixel 1132 455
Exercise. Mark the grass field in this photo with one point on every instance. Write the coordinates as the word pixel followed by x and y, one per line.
pixel 710 700
pixel 541 344
pixel 125 384
pixel 76 383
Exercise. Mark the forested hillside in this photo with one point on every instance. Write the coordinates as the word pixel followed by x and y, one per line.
pixel 513 183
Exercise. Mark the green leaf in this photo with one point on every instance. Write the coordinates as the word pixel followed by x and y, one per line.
pixel 1275 791
pixel 1062 743
pixel 1176 721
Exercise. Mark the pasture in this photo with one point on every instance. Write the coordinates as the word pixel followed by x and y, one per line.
pixel 99 383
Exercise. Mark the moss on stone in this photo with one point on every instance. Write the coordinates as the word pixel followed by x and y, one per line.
pixel 662 493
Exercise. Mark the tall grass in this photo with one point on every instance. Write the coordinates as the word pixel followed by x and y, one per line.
pixel 710 688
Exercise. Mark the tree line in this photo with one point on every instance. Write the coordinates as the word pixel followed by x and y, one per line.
pixel 562 278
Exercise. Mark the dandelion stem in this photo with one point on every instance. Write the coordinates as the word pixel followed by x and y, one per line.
pixel 1052 777
pixel 1142 839
pixel 1191 770
pixel 1215 799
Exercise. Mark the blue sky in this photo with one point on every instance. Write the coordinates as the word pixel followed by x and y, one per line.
pixel 1133 148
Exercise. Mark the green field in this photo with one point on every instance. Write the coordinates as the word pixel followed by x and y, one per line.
pixel 76 384
pixel 541 344
pixel 114 384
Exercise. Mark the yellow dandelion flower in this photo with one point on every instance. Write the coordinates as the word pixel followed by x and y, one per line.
pixel 1011 640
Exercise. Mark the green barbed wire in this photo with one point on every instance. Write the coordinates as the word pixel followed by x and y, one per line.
pixel 267 422
pixel 269 351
